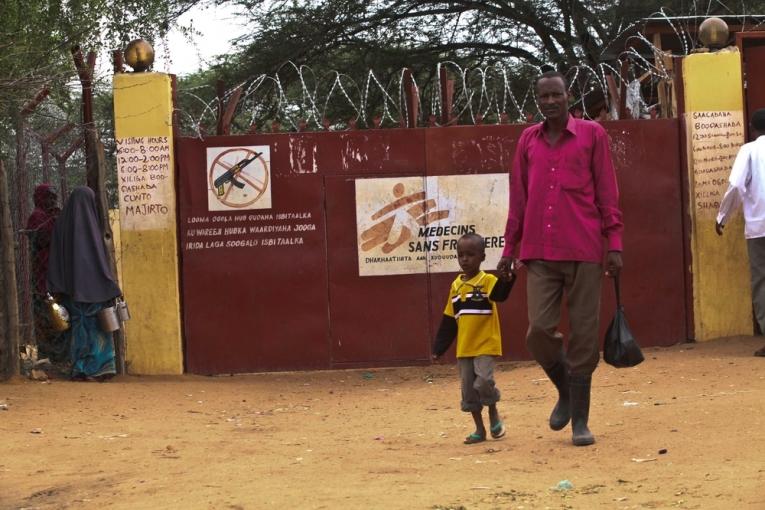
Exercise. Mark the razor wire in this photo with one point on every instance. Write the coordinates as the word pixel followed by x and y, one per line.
pixel 490 94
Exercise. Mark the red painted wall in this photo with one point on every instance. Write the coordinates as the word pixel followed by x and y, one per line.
pixel 304 307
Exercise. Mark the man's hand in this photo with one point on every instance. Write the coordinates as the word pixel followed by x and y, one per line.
pixel 719 228
pixel 505 271
pixel 613 263
pixel 508 265
pixel 504 265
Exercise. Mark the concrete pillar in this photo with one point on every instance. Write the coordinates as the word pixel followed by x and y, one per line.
pixel 714 120
pixel 143 114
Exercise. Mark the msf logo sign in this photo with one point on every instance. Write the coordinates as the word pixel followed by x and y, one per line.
pixel 398 221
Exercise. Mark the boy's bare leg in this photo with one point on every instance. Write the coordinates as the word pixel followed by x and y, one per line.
pixel 493 415
pixel 480 430
pixel 497 428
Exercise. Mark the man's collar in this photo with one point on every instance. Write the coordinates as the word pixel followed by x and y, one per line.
pixel 570 125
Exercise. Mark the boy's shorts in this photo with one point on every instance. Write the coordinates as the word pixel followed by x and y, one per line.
pixel 478 388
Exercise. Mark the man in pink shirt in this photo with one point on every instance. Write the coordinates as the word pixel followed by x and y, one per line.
pixel 564 202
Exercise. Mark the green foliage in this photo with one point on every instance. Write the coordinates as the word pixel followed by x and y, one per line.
pixel 384 32
pixel 36 41
pixel 36 38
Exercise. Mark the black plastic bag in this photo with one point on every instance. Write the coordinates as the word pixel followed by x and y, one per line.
pixel 619 347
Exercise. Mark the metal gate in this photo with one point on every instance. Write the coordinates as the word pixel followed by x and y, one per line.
pixel 293 298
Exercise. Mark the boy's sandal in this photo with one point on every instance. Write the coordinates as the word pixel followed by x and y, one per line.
pixel 474 438
pixel 498 430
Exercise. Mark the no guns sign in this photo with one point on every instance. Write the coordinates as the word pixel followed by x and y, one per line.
pixel 238 178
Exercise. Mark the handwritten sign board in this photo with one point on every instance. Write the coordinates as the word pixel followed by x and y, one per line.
pixel 715 138
pixel 145 183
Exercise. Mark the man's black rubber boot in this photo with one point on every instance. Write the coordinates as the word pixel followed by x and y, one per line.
pixel 580 409
pixel 561 413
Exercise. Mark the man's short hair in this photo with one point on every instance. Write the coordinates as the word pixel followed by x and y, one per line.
pixel 474 237
pixel 758 120
pixel 551 74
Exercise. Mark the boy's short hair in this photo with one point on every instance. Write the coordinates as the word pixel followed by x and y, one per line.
pixel 475 237
pixel 550 74
pixel 758 120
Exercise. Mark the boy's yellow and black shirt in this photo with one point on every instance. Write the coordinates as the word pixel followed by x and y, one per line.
pixel 471 315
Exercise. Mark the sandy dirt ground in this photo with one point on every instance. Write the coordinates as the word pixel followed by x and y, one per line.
pixel 391 438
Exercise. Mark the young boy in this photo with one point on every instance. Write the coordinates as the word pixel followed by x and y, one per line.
pixel 471 316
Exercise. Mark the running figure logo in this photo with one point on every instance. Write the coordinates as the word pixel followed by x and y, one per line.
pixel 397 221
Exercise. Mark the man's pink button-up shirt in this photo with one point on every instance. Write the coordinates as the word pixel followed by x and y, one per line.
pixel 563 198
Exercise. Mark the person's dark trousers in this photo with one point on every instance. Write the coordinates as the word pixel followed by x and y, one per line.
pixel 756 249
pixel 546 283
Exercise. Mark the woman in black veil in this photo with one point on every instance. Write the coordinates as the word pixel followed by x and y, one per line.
pixel 80 275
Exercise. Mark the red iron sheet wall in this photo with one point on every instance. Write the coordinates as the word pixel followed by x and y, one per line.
pixel 305 307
